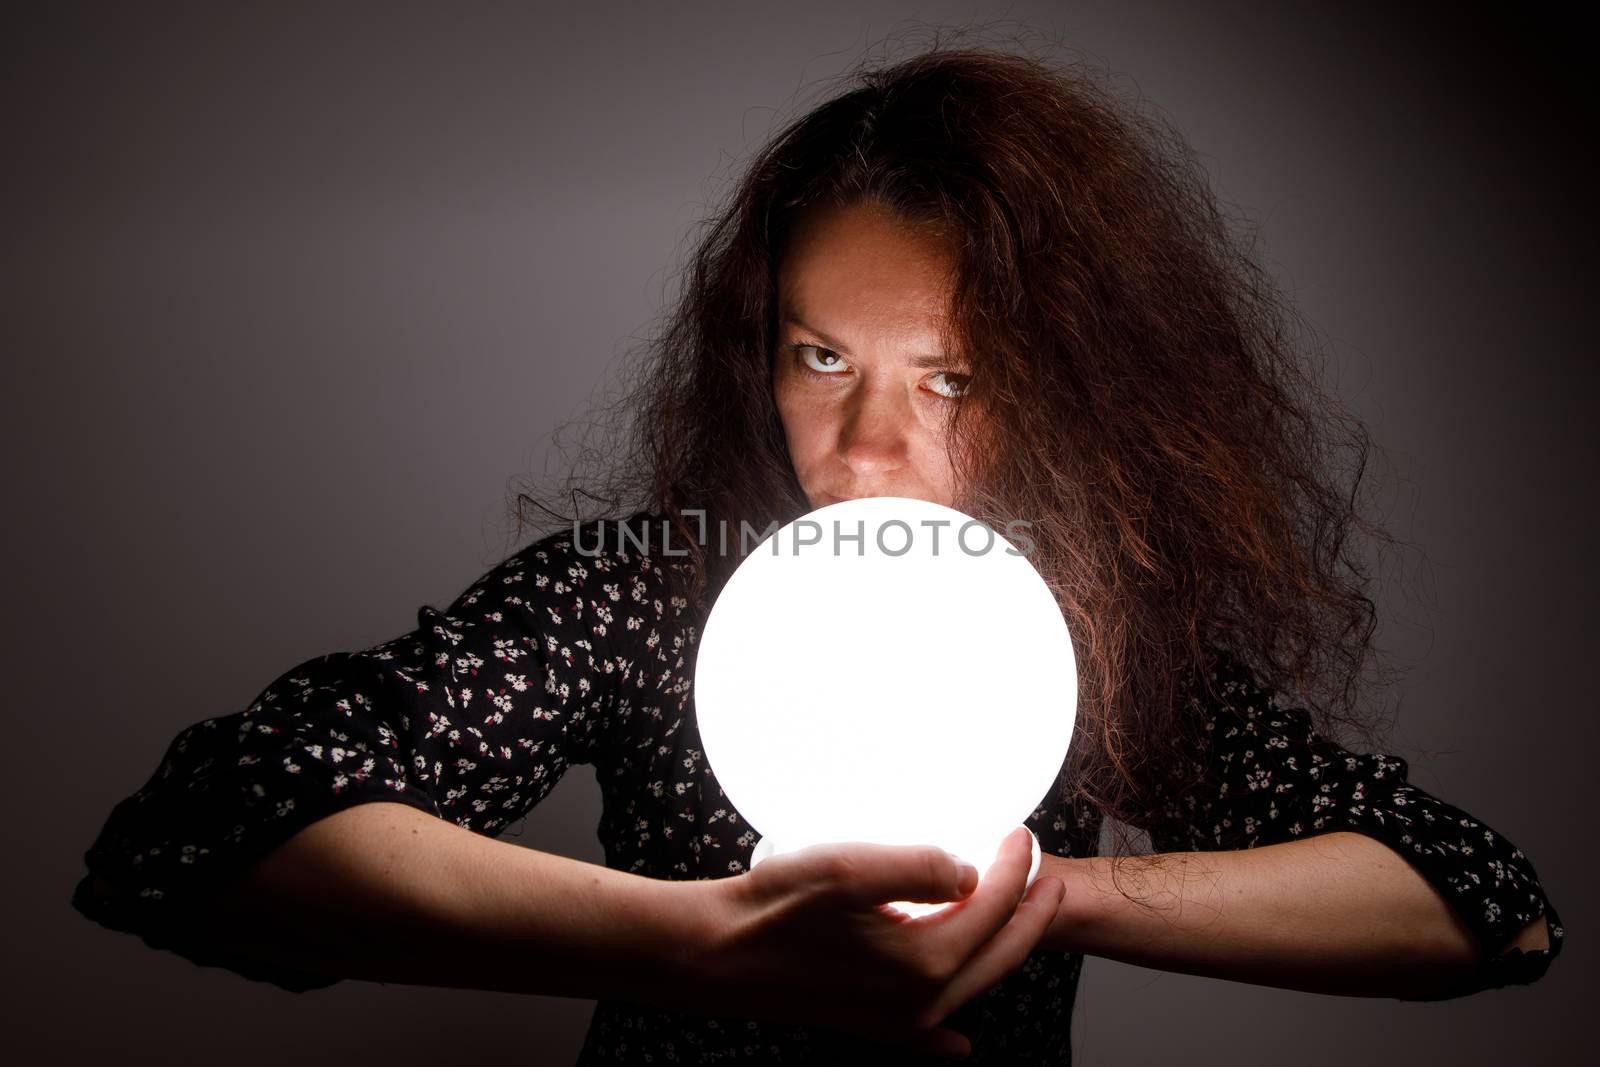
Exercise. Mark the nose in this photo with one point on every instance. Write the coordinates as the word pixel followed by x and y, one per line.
pixel 873 440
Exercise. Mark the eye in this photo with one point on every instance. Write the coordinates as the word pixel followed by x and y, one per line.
pixel 811 358
pixel 948 385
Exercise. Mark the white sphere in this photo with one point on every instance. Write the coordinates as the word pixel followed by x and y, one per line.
pixel 886 670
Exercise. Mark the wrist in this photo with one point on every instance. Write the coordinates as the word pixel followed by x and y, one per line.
pixel 1080 907
pixel 688 956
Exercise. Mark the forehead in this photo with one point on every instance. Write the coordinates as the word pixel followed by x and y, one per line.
pixel 860 261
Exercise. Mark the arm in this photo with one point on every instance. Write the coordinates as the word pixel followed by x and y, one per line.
pixel 387 893
pixel 1275 915
pixel 1285 868
pixel 384 892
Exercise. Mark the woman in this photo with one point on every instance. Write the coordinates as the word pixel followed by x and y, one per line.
pixel 969 279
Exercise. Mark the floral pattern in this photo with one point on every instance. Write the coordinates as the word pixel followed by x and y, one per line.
pixel 556 657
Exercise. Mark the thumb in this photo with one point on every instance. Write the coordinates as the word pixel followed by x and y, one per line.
pixel 869 874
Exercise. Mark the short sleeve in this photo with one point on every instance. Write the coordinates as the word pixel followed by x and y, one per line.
pixel 473 716
pixel 1269 778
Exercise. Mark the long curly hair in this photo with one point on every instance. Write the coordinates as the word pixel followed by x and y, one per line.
pixel 1140 392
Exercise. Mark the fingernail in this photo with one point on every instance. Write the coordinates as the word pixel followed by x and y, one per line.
pixel 967 881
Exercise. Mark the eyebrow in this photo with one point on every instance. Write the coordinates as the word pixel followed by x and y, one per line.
pixel 920 362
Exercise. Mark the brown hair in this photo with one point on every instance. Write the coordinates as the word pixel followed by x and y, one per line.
pixel 1190 488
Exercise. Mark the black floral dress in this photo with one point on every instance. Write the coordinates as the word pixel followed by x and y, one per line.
pixel 557 656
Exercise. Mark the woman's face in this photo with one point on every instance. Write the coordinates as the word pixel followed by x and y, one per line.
pixel 860 382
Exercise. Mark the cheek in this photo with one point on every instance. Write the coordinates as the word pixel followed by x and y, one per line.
pixel 931 456
pixel 806 433
pixel 793 431
pixel 802 423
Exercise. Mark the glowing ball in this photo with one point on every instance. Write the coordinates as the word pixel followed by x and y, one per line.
pixel 886 670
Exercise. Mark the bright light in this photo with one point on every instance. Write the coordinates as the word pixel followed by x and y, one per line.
pixel 913 685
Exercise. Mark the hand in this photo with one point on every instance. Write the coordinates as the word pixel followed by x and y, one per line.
pixel 807 937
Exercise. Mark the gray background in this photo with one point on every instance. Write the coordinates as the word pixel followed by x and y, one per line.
pixel 292 295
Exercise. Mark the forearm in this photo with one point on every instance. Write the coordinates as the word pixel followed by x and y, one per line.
pixel 385 892
pixel 1335 913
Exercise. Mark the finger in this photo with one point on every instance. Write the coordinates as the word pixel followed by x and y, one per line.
pixel 1006 951
pixel 868 874
pixel 988 909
